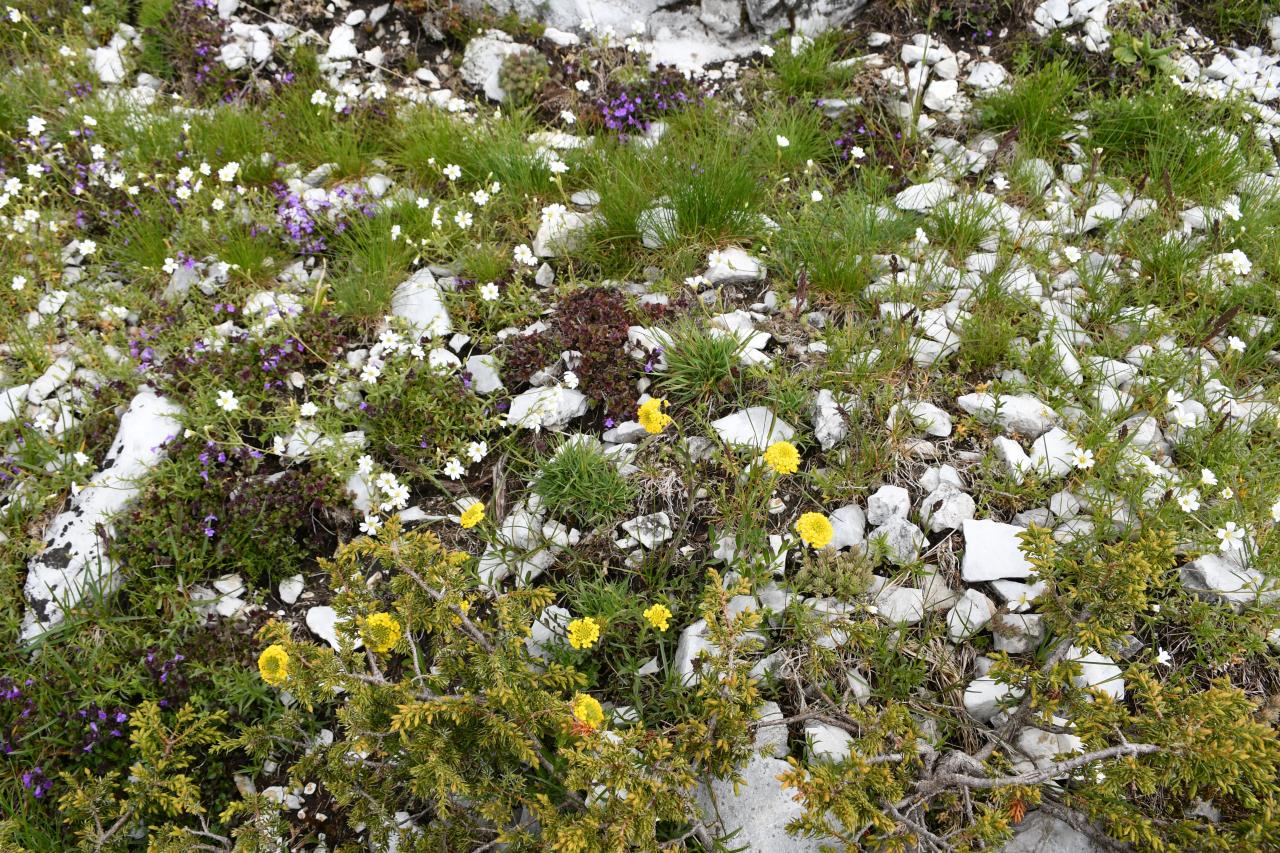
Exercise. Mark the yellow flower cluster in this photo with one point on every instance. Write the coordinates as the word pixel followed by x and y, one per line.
pixel 782 457
pixel 658 616
pixel 815 529
pixel 584 632
pixel 273 665
pixel 651 416
pixel 382 632
pixel 588 711
pixel 472 515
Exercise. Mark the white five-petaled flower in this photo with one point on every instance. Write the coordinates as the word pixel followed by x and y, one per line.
pixel 36 126
pixel 480 197
pixel 227 401
pixel 1182 417
pixel 88 247
pixel 1235 344
pixel 308 409
pixel 365 465
pixel 1189 500
pixel 782 141
pixel 453 469
pixel 371 525
pixel 227 173
pixel 1227 493
pixel 1230 536
pixel 80 457
pixel 558 167
pixel 816 195
pixel 19 282
pixel 1208 478
pixel 1082 458
pixel 570 379
pixel 453 171
pixel 1239 263
pixel 1275 512
pixel 524 255
pixel 463 219
pixel 582 86
pixel 477 450
pixel 1164 658
pixel 489 292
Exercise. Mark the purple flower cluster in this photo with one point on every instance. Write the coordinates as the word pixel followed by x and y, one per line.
pixel 630 110
pixel 36 782
pixel 100 723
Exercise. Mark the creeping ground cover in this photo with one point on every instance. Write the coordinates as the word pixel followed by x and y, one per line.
pixel 767 426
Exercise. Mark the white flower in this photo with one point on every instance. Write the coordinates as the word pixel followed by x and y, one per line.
pixel 386 482
pixel 365 465
pixel 371 525
pixel 815 196
pixel 696 281
pixel 1072 254
pixel 489 292
pixel 765 50
pixel 568 117
pixel 43 421
pixel 1227 493
pixel 19 282
pixel 1230 536
pixel 480 197
pixel 558 167
pixel 782 141
pixel 554 213
pixel 453 171
pixel 1173 398
pixel 320 97
pixel 371 371
pixel 80 458
pixel 1275 512
pixel 308 409
pixel 36 126
pixel 570 379
pixel 185 174
pixel 227 401
pixel 1082 458
pixel 227 173
pixel 477 450
pixel 88 247
pixel 1189 499
pixel 1208 478
pixel 582 86
pixel 1000 182
pixel 1239 263
pixel 463 219
pixel 1164 658
pixel 453 469
pixel 856 153
pixel 524 255
pixel 1235 344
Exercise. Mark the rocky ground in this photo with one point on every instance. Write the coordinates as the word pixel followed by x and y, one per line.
pixel 774 426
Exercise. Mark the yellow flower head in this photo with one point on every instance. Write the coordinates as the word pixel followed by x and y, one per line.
pixel 584 632
pixel 588 711
pixel 658 616
pixel 382 632
pixel 472 515
pixel 273 665
pixel 783 457
pixel 651 416
pixel 815 529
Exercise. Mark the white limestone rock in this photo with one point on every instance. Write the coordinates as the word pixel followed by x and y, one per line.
pixel 756 427
pixel 969 615
pixel 419 302
pixel 992 551
pixel 551 407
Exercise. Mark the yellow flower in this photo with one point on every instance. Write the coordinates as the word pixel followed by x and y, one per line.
pixel 783 457
pixel 382 632
pixel 472 515
pixel 273 665
pixel 651 416
pixel 588 711
pixel 658 616
pixel 584 632
pixel 465 606
pixel 815 529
